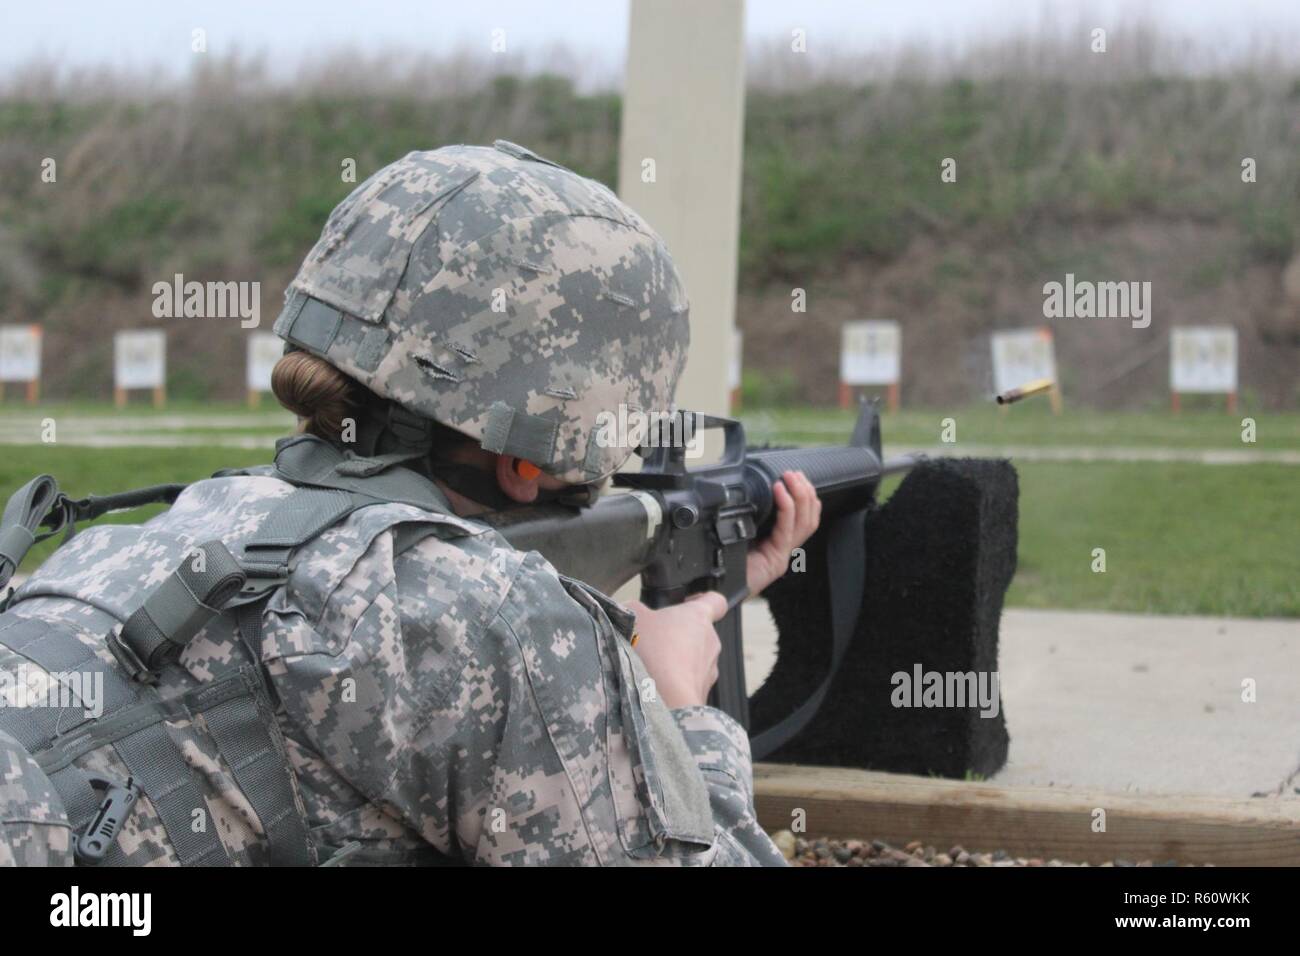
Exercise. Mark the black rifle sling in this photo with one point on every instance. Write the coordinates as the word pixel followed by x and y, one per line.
pixel 845 559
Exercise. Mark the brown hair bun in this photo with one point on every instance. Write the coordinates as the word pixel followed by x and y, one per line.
pixel 318 393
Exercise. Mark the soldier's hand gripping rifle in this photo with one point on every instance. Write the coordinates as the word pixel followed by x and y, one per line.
pixel 685 530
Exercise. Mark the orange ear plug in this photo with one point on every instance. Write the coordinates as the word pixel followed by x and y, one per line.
pixel 526 469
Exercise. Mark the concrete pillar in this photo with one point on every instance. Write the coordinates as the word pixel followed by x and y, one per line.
pixel 683 110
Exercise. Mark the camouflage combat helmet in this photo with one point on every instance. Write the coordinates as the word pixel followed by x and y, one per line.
pixel 499 294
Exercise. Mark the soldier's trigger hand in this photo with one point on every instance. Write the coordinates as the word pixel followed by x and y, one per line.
pixel 680 647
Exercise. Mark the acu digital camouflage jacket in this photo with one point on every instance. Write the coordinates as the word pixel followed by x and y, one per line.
pixel 439 697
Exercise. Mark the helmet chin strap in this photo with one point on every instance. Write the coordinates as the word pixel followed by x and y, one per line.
pixel 476 484
pixel 480 486
pixel 388 429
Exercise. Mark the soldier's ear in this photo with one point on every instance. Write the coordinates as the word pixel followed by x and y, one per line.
pixel 510 476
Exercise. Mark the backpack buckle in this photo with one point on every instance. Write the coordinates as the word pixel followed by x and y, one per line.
pixel 262 578
pixel 135 668
pixel 93 845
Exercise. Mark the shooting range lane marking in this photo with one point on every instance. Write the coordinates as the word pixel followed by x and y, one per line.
pixel 149 423
pixel 149 431
pixel 147 441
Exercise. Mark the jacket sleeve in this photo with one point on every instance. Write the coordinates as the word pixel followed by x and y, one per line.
pixel 549 746
pixel 721 750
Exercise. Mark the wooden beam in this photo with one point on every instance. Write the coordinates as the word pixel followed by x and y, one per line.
pixel 1027 821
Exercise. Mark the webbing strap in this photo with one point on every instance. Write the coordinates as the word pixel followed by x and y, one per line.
pixel 262 771
pixel 64 750
pixel 410 431
pixel 135 728
pixel 356 466
pixel 140 738
pixel 80 799
pixel 238 726
pixel 165 778
pixel 309 322
pixel 293 521
pixel 329 486
pixel 175 611
pixel 57 735
pixel 305 460
pixel 76 673
pixel 512 432
pixel 249 619
pixel 133 720
pixel 23 514
pixel 845 555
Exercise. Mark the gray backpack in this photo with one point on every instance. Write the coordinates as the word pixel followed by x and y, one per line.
pixel 144 692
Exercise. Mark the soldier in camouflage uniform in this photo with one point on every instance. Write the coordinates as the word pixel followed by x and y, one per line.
pixel 436 695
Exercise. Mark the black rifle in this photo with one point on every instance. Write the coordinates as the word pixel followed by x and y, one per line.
pixel 686 530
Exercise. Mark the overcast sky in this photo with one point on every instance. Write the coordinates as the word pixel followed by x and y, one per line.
pixel 155 34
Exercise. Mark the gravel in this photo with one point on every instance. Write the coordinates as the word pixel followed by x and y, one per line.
pixel 802 851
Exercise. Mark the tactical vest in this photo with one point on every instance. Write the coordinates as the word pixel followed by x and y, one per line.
pixel 113 629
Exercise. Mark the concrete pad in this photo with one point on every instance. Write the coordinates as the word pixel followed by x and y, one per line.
pixel 1134 703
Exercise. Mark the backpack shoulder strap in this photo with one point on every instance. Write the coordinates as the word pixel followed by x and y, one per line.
pixel 294 520
pixel 328 486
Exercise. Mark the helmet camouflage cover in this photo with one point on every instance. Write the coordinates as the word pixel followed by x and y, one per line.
pixel 501 295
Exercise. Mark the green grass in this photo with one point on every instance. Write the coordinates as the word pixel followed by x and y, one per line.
pixel 1180 538
pixel 1032 423
pixel 84 471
